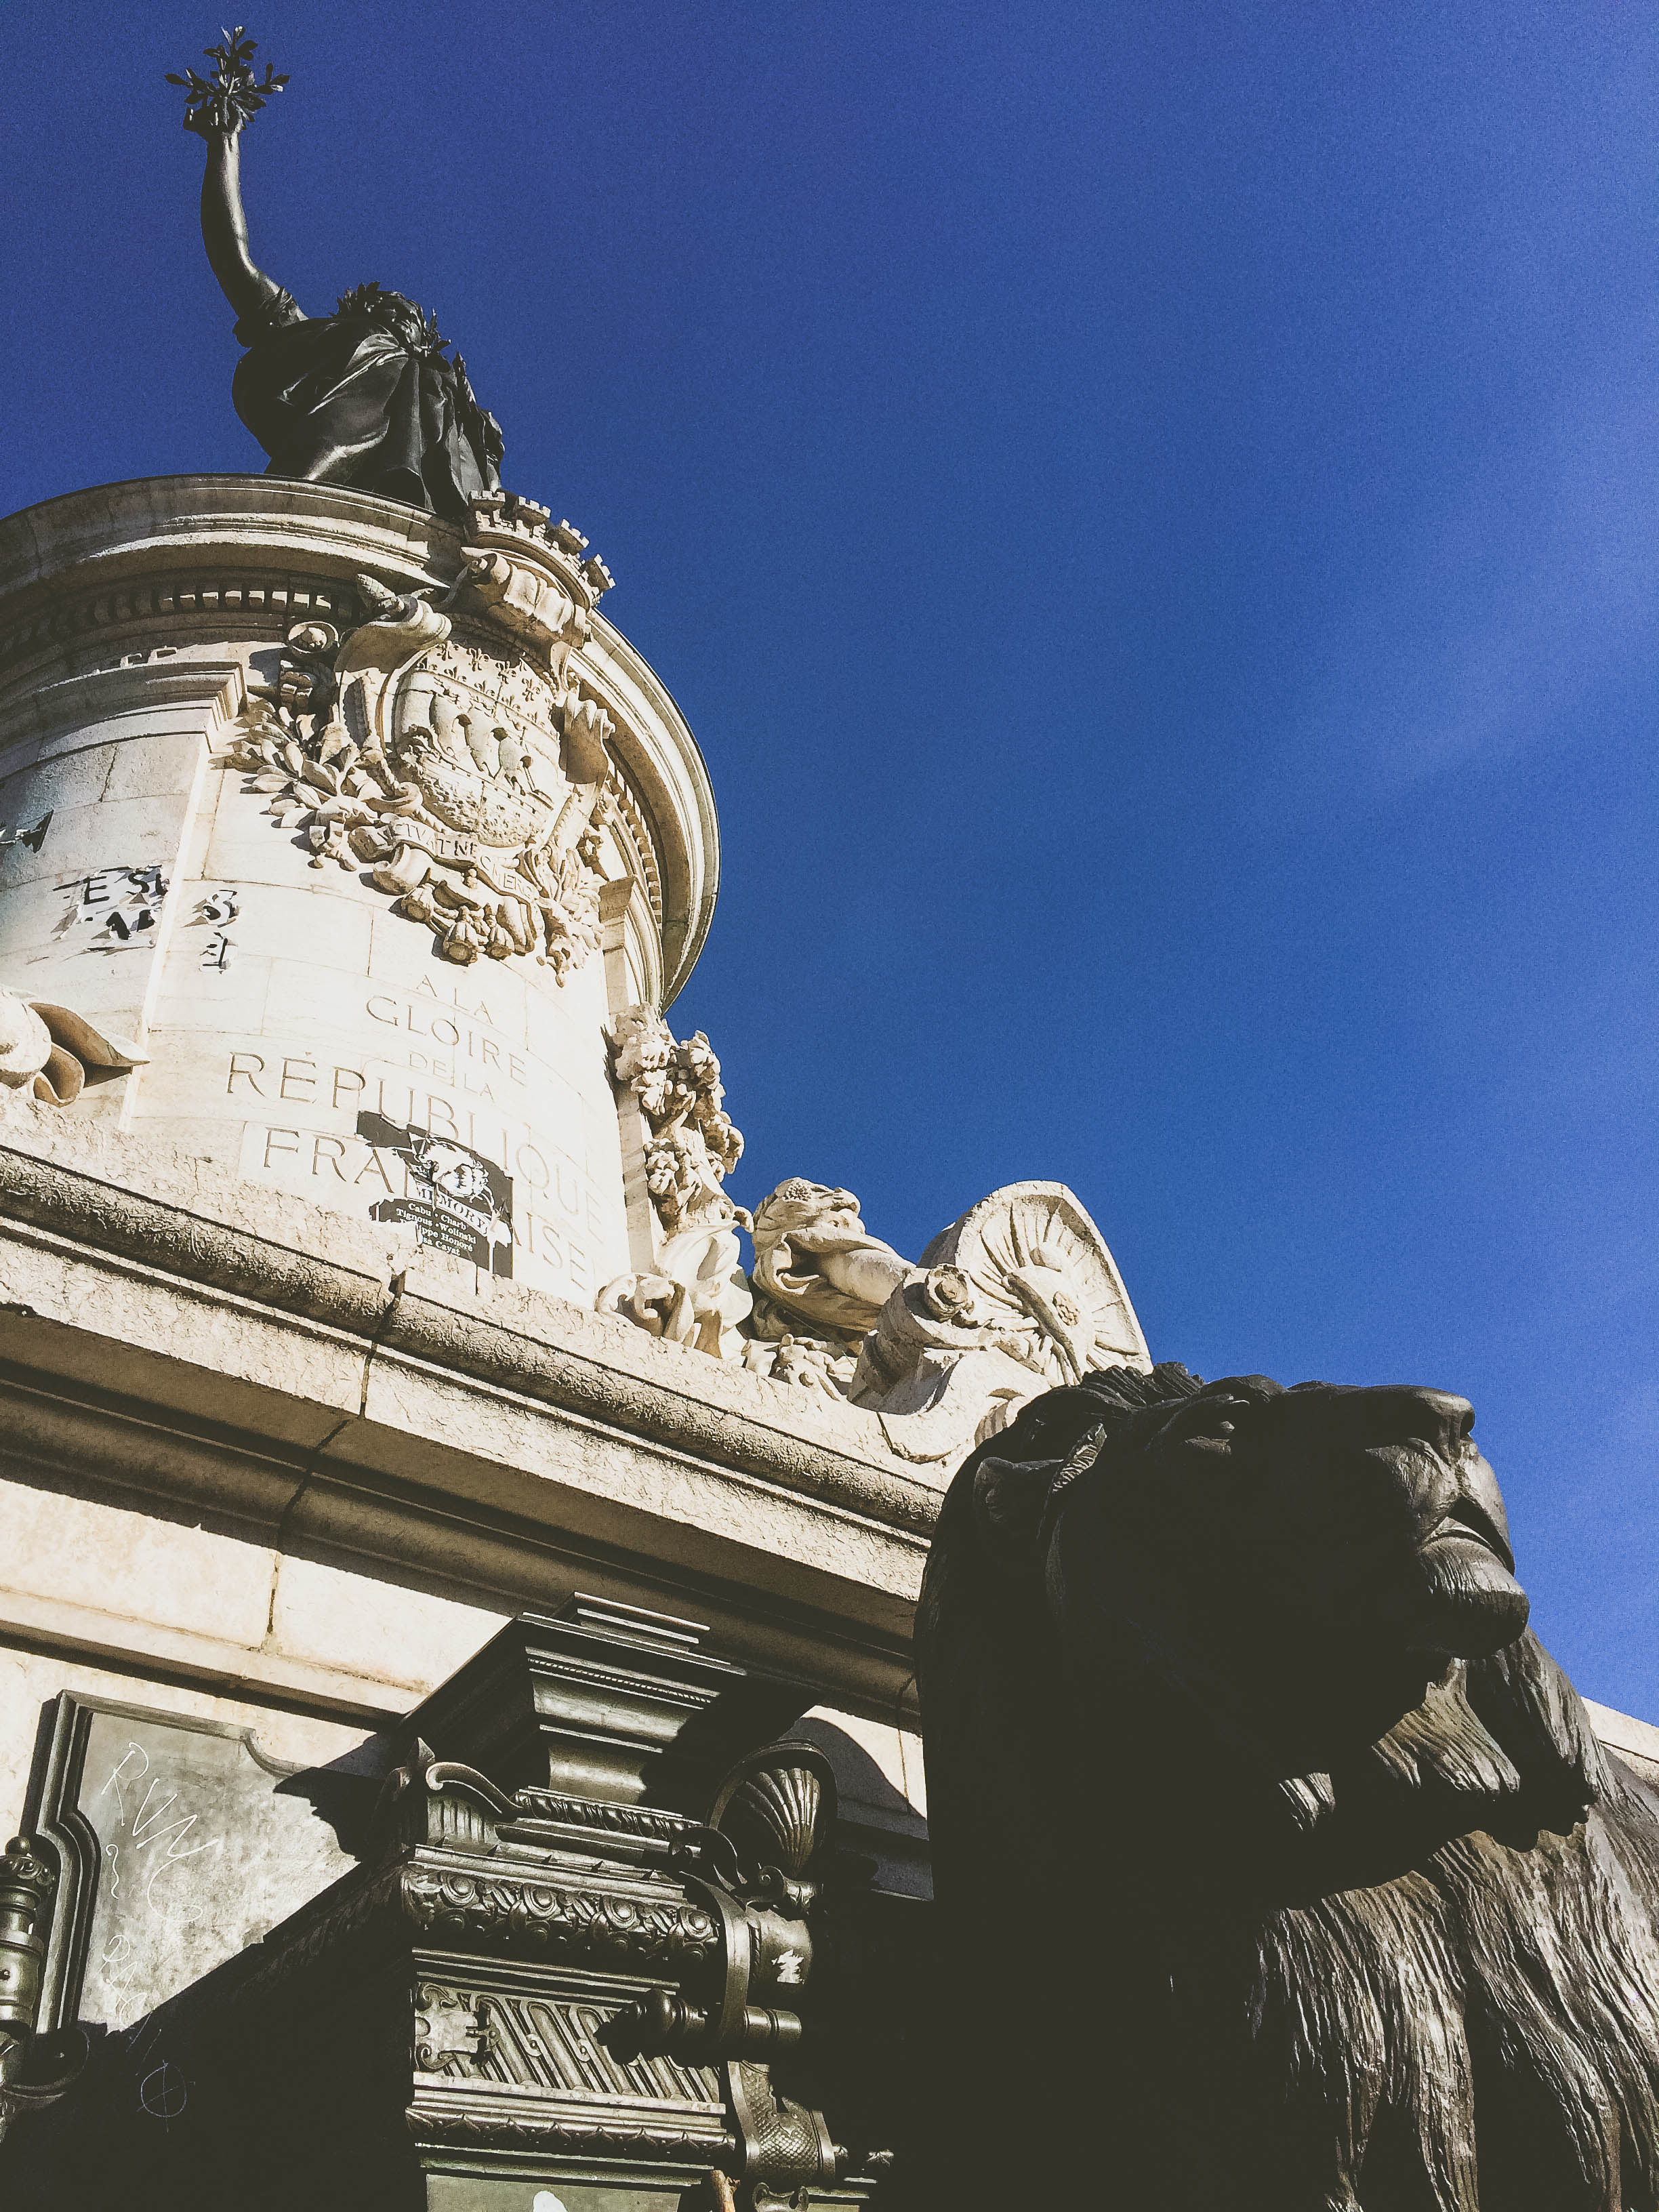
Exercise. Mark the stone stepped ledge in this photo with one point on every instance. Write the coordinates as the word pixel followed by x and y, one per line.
pixel 174 1333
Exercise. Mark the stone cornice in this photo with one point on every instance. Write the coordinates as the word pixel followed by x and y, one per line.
pixel 210 691
pixel 179 1334
pixel 581 1363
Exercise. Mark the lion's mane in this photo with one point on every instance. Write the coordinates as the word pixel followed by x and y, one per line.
pixel 1424 1980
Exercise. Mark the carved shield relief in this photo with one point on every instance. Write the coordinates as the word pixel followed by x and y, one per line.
pixel 476 731
pixel 462 768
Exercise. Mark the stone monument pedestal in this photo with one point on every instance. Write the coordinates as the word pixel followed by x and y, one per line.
pixel 352 826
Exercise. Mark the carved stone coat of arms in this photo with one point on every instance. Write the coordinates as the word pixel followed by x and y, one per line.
pixel 448 748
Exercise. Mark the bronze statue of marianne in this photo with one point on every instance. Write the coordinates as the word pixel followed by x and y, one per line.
pixel 367 396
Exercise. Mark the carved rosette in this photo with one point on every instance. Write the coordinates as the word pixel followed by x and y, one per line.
pixel 448 748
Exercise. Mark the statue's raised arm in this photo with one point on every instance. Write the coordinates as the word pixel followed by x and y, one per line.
pixel 367 396
pixel 224 226
pixel 216 108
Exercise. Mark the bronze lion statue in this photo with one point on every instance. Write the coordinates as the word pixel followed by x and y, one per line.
pixel 1278 1866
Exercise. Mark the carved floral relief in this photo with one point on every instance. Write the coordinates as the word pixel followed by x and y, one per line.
pixel 697 1294
pixel 693 1144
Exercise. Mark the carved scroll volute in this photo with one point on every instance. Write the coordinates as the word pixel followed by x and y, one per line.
pixel 525 574
pixel 526 601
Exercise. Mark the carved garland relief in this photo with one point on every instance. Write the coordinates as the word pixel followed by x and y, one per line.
pixel 559 1923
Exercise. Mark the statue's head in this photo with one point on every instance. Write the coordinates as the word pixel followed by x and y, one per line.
pixel 798 1204
pixel 397 314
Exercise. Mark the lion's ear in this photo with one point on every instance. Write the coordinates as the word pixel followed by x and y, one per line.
pixel 1526 1701
pixel 1009 1496
pixel 1012 1498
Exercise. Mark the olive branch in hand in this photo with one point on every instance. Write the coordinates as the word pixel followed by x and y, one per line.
pixel 223 102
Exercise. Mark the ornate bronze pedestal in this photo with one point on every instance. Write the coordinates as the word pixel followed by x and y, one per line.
pixel 644 1978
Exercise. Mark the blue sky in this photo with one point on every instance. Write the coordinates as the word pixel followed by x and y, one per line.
pixel 1153 512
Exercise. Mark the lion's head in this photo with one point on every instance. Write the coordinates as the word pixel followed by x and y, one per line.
pixel 1230 1689
pixel 1319 1511
pixel 1292 1572
pixel 1308 1591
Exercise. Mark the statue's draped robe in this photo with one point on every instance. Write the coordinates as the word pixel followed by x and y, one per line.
pixel 349 398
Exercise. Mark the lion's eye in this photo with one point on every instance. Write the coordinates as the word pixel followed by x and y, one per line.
pixel 1224 1428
